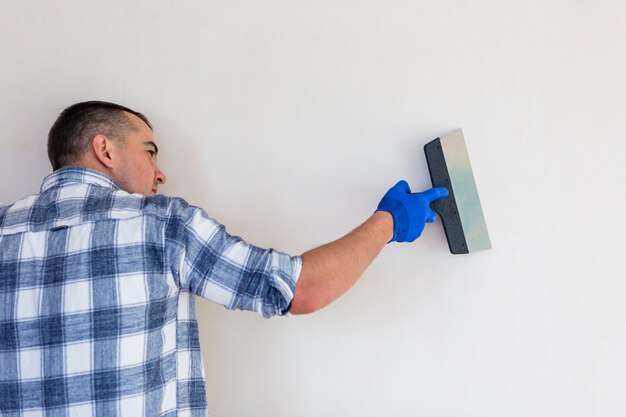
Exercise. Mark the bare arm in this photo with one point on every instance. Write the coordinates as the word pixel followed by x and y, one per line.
pixel 330 270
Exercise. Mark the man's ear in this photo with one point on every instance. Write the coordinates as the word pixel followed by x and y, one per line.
pixel 103 149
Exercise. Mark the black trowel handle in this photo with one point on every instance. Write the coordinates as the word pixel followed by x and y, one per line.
pixel 445 207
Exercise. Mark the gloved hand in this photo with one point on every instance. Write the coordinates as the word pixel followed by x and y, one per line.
pixel 410 212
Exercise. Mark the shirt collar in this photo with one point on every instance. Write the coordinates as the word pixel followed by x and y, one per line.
pixel 74 175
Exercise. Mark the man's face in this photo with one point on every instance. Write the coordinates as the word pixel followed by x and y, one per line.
pixel 137 170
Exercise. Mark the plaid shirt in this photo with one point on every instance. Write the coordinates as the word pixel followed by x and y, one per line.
pixel 97 314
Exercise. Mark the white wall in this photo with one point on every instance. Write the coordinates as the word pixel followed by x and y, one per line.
pixel 288 120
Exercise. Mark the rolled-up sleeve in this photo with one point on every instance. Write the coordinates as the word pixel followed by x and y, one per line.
pixel 205 260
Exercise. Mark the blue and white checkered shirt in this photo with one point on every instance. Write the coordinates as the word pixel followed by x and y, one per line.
pixel 97 314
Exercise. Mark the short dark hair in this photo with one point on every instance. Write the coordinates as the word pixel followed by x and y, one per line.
pixel 77 125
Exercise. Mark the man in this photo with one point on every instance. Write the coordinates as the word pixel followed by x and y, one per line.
pixel 98 273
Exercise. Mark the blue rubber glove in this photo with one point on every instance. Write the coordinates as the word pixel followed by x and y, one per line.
pixel 410 212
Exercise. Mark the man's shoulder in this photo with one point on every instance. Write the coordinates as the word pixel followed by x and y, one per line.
pixel 79 203
pixel 103 203
pixel 15 213
pixel 164 206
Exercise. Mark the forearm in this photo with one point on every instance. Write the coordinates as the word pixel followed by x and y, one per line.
pixel 330 270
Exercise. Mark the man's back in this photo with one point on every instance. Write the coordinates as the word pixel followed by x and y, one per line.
pixel 97 312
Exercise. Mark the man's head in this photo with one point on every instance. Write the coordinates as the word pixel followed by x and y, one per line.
pixel 109 138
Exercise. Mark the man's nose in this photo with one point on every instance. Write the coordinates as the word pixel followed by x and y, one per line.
pixel 160 177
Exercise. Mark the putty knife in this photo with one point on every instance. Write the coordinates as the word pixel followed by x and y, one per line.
pixel 460 212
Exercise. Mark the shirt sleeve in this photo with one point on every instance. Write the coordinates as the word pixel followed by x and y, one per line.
pixel 205 260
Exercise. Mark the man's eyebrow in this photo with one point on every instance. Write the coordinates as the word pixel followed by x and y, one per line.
pixel 156 148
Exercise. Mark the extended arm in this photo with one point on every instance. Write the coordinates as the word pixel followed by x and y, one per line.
pixel 330 270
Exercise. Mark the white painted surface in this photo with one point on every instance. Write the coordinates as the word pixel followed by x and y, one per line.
pixel 288 120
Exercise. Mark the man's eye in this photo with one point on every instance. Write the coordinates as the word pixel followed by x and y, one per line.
pixel 151 153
